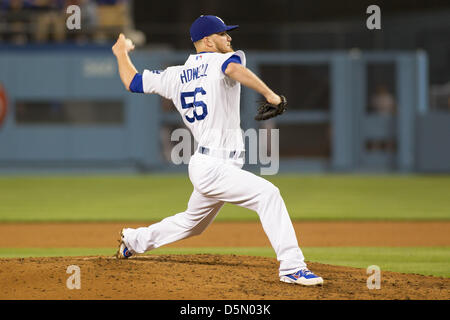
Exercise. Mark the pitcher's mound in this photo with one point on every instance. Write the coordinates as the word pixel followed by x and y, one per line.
pixel 198 277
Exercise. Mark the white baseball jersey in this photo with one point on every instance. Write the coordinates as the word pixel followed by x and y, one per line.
pixel 206 98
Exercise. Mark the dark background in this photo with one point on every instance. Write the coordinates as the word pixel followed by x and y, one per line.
pixel 309 25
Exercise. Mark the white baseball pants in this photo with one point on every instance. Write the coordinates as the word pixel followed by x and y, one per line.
pixel 217 181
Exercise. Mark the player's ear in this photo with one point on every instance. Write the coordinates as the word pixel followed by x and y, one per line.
pixel 207 42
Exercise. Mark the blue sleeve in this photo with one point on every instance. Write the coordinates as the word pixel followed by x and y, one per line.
pixel 234 58
pixel 136 84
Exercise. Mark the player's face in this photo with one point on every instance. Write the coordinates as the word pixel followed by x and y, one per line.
pixel 222 42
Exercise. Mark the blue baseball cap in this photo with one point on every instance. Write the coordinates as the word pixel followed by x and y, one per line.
pixel 204 26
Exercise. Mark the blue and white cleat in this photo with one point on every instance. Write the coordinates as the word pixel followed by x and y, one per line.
pixel 123 252
pixel 303 277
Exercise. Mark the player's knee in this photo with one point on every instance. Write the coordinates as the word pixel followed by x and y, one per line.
pixel 271 190
pixel 196 231
pixel 276 191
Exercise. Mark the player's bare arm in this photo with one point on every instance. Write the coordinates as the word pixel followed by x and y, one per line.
pixel 246 77
pixel 127 70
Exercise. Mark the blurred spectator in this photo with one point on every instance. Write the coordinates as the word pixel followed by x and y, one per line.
pixel 43 21
pixel 382 102
pixel 16 20
pixel 113 18
pixel 89 20
pixel 50 19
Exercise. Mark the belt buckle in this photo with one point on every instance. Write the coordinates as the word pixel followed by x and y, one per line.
pixel 204 150
pixel 236 155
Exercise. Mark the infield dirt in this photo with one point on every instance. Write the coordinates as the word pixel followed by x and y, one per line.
pixel 211 277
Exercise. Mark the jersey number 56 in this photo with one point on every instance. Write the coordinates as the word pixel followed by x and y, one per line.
pixel 194 104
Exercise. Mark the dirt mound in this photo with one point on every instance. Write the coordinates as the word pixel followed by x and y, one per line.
pixel 199 277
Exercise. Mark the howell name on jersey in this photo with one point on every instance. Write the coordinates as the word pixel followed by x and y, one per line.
pixel 194 73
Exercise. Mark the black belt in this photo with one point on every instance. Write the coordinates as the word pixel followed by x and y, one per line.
pixel 221 153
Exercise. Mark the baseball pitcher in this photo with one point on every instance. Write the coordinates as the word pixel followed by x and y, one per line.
pixel 206 92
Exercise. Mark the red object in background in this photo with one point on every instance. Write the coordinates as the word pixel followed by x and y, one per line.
pixel 3 104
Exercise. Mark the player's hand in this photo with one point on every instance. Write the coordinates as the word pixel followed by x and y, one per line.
pixel 274 99
pixel 268 110
pixel 122 45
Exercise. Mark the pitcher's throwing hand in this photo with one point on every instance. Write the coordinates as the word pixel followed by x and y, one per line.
pixel 122 45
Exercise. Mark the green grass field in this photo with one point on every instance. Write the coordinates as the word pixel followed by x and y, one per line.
pixel 308 197
pixel 153 197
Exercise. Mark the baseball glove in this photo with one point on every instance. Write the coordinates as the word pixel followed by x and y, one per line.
pixel 267 110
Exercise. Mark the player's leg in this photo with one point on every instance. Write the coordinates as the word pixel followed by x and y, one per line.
pixel 253 192
pixel 199 214
pixel 229 183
